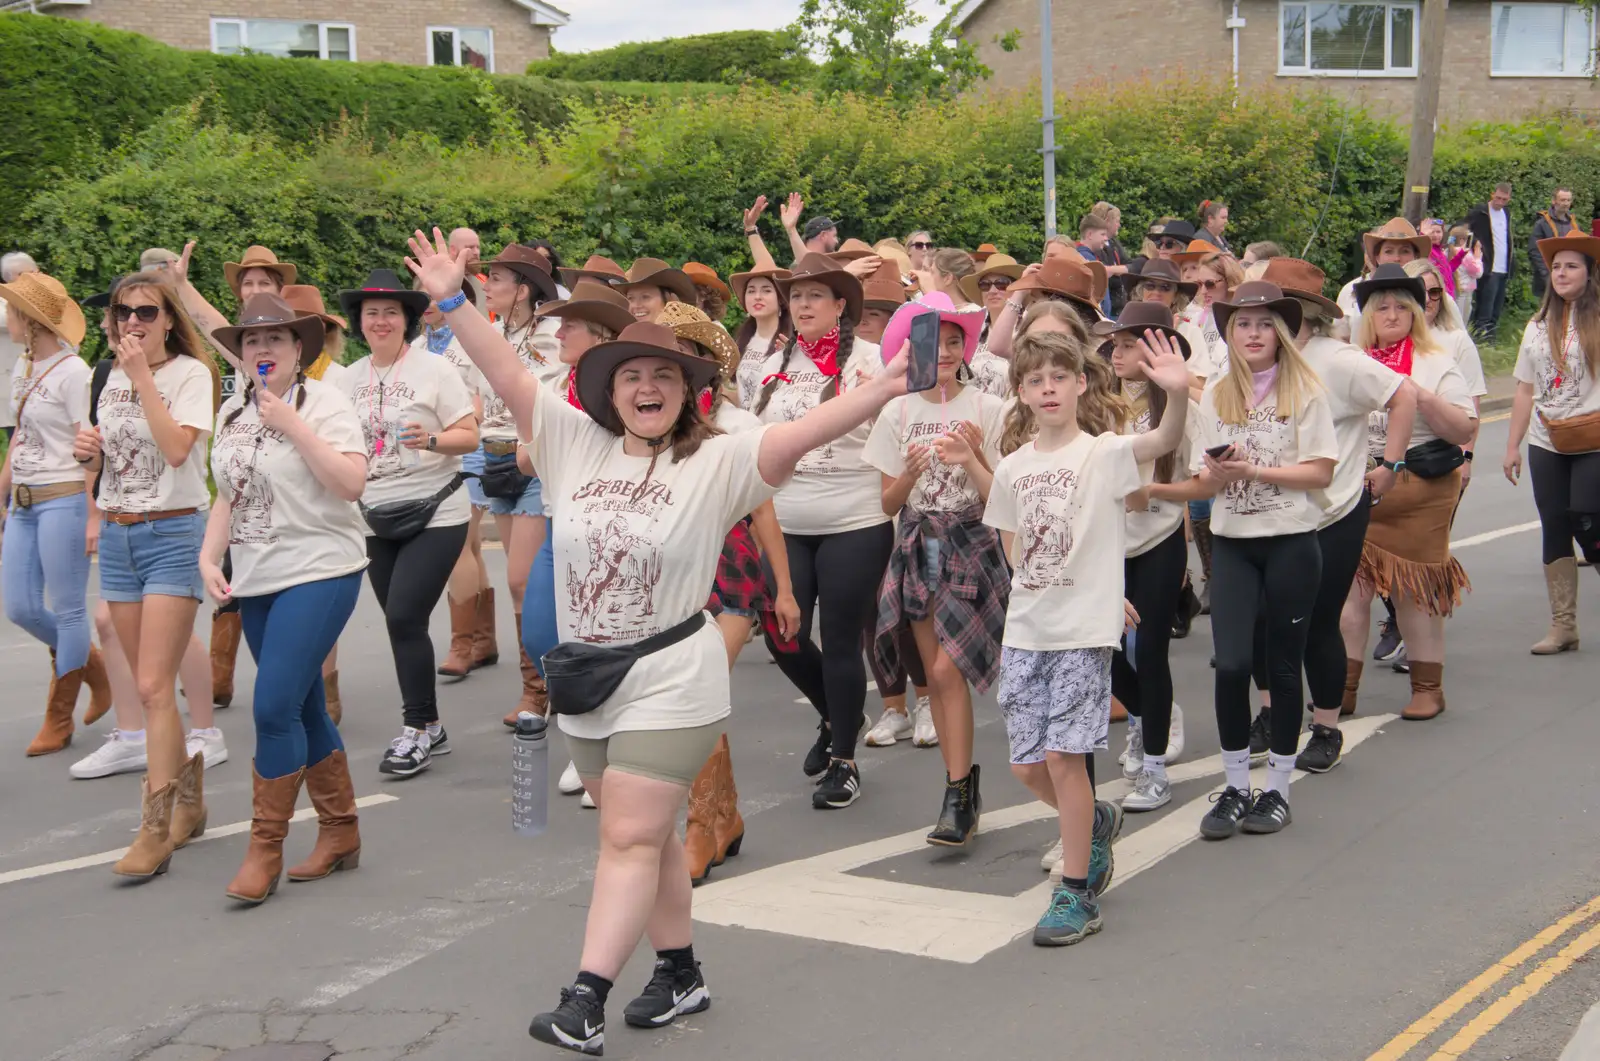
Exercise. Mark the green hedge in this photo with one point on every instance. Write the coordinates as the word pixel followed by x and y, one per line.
pixel 742 55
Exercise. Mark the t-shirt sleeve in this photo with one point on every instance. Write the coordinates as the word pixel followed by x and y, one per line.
pixel 455 400
pixel 1204 437
pixel 882 450
pixel 190 401
pixel 1314 435
pixel 740 474
pixel 1371 385
pixel 560 434
pixel 75 395
pixel 993 424
pixel 1453 389
pixel 1470 365
pixel 1524 371
pixel 337 423
pixel 1121 467
pixel 1001 512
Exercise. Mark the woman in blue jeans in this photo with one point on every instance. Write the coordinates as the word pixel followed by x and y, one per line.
pixel 290 463
pixel 45 547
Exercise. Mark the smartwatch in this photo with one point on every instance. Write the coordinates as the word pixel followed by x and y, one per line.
pixel 1393 466
pixel 1466 454
pixel 433 443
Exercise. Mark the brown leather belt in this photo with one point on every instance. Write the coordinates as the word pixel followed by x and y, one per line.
pixel 497 447
pixel 128 519
pixel 28 496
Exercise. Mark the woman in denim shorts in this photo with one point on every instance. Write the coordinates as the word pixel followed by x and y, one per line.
pixel 155 417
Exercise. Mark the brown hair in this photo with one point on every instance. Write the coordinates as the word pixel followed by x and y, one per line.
pixel 1558 315
pixel 712 304
pixel 182 338
pixel 1100 409
pixel 953 261
pixel 1092 221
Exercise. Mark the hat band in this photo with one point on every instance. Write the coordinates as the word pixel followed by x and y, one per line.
pixel 265 320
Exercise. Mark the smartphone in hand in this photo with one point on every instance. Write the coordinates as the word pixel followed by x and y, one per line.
pixel 1216 453
pixel 922 373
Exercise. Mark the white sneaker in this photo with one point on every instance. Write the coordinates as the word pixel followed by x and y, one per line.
pixel 1132 757
pixel 893 726
pixel 1051 857
pixel 118 755
pixel 209 742
pixel 1175 735
pixel 588 800
pixel 570 784
pixel 924 735
pixel 1149 793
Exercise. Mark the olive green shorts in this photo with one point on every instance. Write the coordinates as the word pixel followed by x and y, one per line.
pixel 672 755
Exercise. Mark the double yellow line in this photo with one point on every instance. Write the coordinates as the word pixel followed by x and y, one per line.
pixel 1497 1011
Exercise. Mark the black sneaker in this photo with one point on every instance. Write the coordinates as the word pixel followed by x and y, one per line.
pixel 1401 662
pixel 579 1023
pixel 1269 814
pixel 839 787
pixel 1260 735
pixel 821 752
pixel 1222 820
pixel 1322 751
pixel 439 743
pixel 409 754
pixel 1388 641
pixel 1188 608
pixel 671 991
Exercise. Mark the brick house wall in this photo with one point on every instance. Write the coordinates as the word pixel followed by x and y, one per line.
pixel 393 31
pixel 1164 38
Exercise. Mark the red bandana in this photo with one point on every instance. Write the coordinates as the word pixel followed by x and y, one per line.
pixel 825 352
pixel 572 391
pixel 1397 357
pixel 706 399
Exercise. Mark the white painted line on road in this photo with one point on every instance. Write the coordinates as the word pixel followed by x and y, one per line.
pixel 819 898
pixel 1495 535
pixel 107 857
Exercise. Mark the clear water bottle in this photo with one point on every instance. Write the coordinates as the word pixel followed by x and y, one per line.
pixel 530 776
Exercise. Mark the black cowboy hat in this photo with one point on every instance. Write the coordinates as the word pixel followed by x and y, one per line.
pixel 528 264
pixel 1141 317
pixel 383 283
pixel 271 311
pixel 639 339
pixel 1258 294
pixel 1390 277
pixel 1173 230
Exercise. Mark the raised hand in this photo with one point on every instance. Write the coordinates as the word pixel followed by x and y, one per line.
pixel 790 212
pixel 1163 364
pixel 440 272
pixel 953 448
pixel 131 359
pixel 894 373
pixel 752 215
pixel 862 268
pixel 181 266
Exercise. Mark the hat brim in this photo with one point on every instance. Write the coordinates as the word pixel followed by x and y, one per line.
pixel 595 369
pixel 854 255
pixel 413 301
pixel 838 281
pixel 1288 308
pixel 309 329
pixel 1032 284
pixel 969 284
pixel 674 280
pixel 1411 285
pixel 1108 329
pixel 898 330
pixel 1588 246
pixel 571 276
pixel 541 281
pixel 740 281
pixel 602 313
pixel 1369 242
pixel 231 272
pixel 72 328
pixel 1186 288
pixel 100 300
pixel 715 338
pixel 887 305
pixel 1326 305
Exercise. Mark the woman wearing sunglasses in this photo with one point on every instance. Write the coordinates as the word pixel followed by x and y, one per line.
pixel 155 416
pixel 989 287
pixel 920 248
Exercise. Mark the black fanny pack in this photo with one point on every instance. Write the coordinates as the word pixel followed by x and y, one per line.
pixel 580 676
pixel 400 521
pixel 1434 460
pixel 502 479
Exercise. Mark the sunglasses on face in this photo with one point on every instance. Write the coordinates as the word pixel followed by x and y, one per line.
pixel 147 314
pixel 1213 285
pixel 1435 294
pixel 1171 244
pixel 994 283
pixel 921 245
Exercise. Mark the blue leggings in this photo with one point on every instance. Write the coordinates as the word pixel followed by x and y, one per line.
pixel 43 550
pixel 539 634
pixel 290 633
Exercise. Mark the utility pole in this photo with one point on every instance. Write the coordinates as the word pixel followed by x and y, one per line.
pixel 1425 109
pixel 1047 77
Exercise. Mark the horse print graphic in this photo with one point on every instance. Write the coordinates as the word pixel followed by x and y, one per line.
pixel 612 591
pixel 251 489
pixel 135 465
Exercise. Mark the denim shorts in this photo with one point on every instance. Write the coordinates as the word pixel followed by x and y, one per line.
pixel 152 559
pixel 473 463
pixel 1200 509
pixel 531 503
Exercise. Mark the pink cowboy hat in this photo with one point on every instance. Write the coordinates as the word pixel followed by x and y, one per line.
pixel 898 330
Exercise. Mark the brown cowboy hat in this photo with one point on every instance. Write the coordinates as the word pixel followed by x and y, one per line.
pixel 1395 230
pixel 257 258
pixel 884 290
pixel 692 323
pixel 705 276
pixel 305 298
pixel 1302 280
pixel 984 252
pixel 1588 246
pixel 852 249
pixel 822 269
pixel 639 339
pixel 271 311
pixel 592 300
pixel 994 264
pixel 528 264
pixel 767 269
pixel 653 272
pixel 1259 294
pixel 1141 317
pixel 1096 269
pixel 44 299
pixel 1196 250
pixel 1163 270
pixel 1064 277
pixel 596 268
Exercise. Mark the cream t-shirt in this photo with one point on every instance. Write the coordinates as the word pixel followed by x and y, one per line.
pixel 1208 350
pixel 137 478
pixel 1066 509
pixel 334 372
pixel 288 528
pixel 733 420
pixel 470 375
pixel 833 489
pixel 1357 387
pixel 1436 374
pixel 1153 524
pixel 991 373
pixel 1347 302
pixel 749 374
pixel 920 419
pixel 634 555
pixel 1246 509
pixel 1464 352
pixel 540 353
pixel 1559 391
pixel 418 388
pixel 53 395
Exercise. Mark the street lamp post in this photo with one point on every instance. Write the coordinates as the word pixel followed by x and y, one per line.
pixel 1047 77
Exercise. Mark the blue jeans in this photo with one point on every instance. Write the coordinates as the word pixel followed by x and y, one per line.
pixel 44 550
pixel 539 634
pixel 531 503
pixel 1200 509
pixel 290 633
pixel 473 462
pixel 160 559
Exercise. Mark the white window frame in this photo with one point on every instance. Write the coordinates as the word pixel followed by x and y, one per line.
pixel 1494 14
pixel 1389 69
pixel 456 30
pixel 322 33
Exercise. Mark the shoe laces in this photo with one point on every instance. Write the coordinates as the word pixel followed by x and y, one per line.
pixel 1229 800
pixel 1064 902
pixel 407 742
pixel 584 1002
pixel 1266 800
pixel 838 773
pixel 664 977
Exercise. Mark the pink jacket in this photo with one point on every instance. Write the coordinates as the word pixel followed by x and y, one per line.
pixel 1448 263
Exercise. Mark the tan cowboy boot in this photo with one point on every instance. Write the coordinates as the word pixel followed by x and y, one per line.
pixel 699 833
pixel 273 801
pixel 729 828
pixel 56 732
pixel 485 649
pixel 94 676
pixel 152 848
pixel 463 624
pixel 225 630
pixel 535 697
pixel 1352 682
pixel 330 691
pixel 338 838
pixel 1561 584
pixel 189 802
pixel 1427 692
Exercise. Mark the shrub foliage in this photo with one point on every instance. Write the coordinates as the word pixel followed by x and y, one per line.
pixel 742 55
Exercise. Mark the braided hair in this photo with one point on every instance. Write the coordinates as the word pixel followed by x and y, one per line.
pixel 847 340
pixel 250 386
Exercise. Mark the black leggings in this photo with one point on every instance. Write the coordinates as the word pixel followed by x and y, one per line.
pixel 838 575
pixel 1563 484
pixel 1341 556
pixel 409 578
pixel 1153 583
pixel 1280 575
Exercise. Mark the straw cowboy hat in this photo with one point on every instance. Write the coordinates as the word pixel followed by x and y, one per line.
pixel 1141 317
pixel 852 249
pixel 1164 271
pixel 43 299
pixel 1062 276
pixel 1259 294
pixel 592 300
pixel 898 330
pixel 692 323
pixel 597 268
pixel 765 268
pixel 653 272
pixel 705 276
pixel 1588 246
pixel 1395 230
pixel 1390 277
pixel 1302 280
pixel 884 290
pixel 994 264
pixel 823 269
pixel 304 298
pixel 530 265
pixel 271 311
pixel 639 339
pixel 257 258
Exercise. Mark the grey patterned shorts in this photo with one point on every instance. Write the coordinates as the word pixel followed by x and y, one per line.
pixel 1055 701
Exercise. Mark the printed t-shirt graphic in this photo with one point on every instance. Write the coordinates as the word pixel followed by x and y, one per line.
pixel 1248 508
pixel 137 477
pixel 921 419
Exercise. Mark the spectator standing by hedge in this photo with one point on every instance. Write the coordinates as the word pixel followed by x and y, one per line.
pixel 1491 225
pixel 1114 256
pixel 821 233
pixel 1213 222
pixel 1557 221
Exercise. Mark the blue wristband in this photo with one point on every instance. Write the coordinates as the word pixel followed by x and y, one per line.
pixel 453 303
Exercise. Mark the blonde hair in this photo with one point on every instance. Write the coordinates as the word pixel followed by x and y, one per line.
pixel 1449 313
pixel 1101 408
pixel 1226 266
pixel 1296 383
pixel 1365 332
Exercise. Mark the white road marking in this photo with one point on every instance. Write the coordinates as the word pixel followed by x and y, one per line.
pixel 107 857
pixel 819 897
pixel 1489 536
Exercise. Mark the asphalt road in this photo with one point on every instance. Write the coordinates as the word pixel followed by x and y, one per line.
pixel 1435 851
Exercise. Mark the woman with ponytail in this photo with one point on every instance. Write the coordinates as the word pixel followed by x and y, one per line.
pixel 289 464
pixel 766 327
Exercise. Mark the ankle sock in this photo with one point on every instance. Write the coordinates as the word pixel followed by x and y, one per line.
pixel 682 958
pixel 1077 884
pixel 434 729
pixel 134 736
pixel 1236 768
pixel 1279 767
pixel 599 984
pixel 1157 765
pixel 211 732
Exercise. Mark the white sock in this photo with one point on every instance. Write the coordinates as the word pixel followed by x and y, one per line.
pixel 211 732
pixel 1157 765
pixel 1236 767
pixel 1279 767
pixel 132 736
pixel 435 728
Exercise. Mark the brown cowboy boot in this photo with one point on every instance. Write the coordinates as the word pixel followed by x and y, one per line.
pixel 535 697
pixel 338 838
pixel 729 827
pixel 485 649
pixel 273 803
pixel 152 848
pixel 463 624
pixel 94 676
pixel 1352 682
pixel 699 833
pixel 1561 584
pixel 189 802
pixel 1427 692
pixel 330 691
pixel 225 630
pixel 56 732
